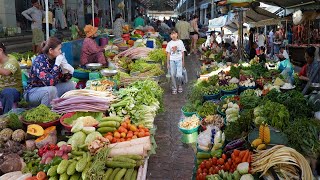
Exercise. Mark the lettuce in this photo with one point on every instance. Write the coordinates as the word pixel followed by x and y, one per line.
pixel 91 137
pixel 77 139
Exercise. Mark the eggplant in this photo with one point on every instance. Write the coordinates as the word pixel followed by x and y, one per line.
pixel 234 144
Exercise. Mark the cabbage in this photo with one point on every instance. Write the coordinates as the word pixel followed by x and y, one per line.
pixel 259 120
pixel 247 177
pixel 77 139
pixel 92 136
pixel 88 130
pixel 243 168
pixel 78 126
pixel 232 111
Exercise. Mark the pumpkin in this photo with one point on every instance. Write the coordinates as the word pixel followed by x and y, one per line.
pixel 49 137
pixel 35 130
pixel 130 42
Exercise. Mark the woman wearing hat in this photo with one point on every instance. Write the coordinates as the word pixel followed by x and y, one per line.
pixel 91 52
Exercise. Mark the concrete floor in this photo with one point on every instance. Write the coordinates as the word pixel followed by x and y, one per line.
pixel 173 160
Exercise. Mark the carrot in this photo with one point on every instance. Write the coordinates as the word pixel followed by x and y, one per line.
pixel 250 157
pixel 233 156
pixel 236 152
pixel 41 175
pixel 245 157
pixel 238 160
pixel 242 153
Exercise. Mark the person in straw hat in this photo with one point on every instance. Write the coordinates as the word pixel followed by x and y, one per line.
pixel 91 52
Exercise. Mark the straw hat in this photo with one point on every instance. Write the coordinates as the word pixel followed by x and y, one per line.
pixel 90 30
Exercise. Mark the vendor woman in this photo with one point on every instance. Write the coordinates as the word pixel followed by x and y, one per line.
pixel 312 68
pixel 91 52
pixel 49 77
pixel 10 80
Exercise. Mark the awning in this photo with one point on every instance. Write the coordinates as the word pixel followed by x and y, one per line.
pixel 288 3
pixel 258 14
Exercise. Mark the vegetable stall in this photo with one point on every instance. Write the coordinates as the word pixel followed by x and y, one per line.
pixel 105 130
pixel 250 123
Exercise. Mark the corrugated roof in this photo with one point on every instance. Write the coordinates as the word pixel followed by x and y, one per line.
pixel 258 14
pixel 287 3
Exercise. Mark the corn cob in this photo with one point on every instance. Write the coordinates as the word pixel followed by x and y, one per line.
pixel 256 142
pixel 261 132
pixel 266 134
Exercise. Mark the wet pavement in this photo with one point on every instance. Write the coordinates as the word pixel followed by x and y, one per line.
pixel 174 160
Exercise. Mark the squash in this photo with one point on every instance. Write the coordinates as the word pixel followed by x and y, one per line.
pixel 45 139
pixel 35 130
pixel 51 130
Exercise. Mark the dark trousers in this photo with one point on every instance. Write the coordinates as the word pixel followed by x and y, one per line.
pixel 186 43
pixel 8 96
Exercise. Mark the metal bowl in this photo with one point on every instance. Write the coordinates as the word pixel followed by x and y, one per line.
pixel 94 65
pixel 315 86
pixel 108 72
pixel 111 35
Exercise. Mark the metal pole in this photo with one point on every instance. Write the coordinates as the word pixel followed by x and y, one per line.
pixel 186 8
pixel 194 6
pixel 92 10
pixel 47 19
pixel 111 16
pixel 240 43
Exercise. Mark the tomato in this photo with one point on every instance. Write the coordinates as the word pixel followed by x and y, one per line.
pixel 230 161
pixel 223 167
pixel 215 170
pixel 199 171
pixel 204 175
pixel 200 177
pixel 211 170
pixel 227 166
pixel 221 161
pixel 204 170
pixel 214 161
pixel 202 165
pixel 224 156
pixel 208 164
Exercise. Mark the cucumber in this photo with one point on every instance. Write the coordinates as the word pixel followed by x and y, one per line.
pixel 77 153
pixel 118 164
pixel 54 178
pixel 108 124
pixel 114 173
pixel 203 155
pixel 64 176
pixel 123 159
pixel 84 172
pixel 72 168
pixel 113 118
pixel 106 129
pixel 128 174
pixel 52 171
pixel 81 164
pixel 134 175
pixel 75 176
pixel 62 167
pixel 107 174
pixel 134 157
pixel 120 174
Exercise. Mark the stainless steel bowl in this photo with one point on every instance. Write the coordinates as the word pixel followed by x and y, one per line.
pixel 108 72
pixel 94 65
pixel 315 86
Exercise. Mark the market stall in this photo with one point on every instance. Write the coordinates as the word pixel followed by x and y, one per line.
pixel 103 131
pixel 247 121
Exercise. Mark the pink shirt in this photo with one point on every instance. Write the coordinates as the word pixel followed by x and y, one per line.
pixel 89 51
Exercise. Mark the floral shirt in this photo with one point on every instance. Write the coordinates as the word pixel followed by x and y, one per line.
pixel 45 73
pixel 90 51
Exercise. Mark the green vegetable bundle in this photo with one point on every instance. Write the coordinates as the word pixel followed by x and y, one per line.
pixel 208 108
pixel 157 55
pixel 40 114
pixel 249 101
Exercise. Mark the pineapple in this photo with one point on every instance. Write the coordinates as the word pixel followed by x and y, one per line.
pixel 18 135
pixel 6 134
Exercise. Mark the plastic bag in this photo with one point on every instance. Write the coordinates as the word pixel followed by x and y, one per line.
pixel 185 76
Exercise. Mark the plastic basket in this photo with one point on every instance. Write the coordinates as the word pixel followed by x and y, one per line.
pixel 243 88
pixel 211 97
pixel 235 91
pixel 80 74
pixel 187 114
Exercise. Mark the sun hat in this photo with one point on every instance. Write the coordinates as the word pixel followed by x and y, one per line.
pixel 90 30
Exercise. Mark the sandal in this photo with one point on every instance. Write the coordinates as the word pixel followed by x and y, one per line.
pixel 174 91
pixel 180 90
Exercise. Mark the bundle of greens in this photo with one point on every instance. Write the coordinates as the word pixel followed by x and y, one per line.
pixel 249 101
pixel 272 113
pixel 157 55
pixel 208 108
pixel 40 114
pixel 235 71
pixel 303 136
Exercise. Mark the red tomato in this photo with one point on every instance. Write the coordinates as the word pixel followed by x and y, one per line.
pixel 224 156
pixel 202 165
pixel 211 171
pixel 227 166
pixel 208 164
pixel 215 170
pixel 214 161
pixel 200 177
pixel 230 161
pixel 204 175
pixel 221 161
pixel 223 167
pixel 205 171
pixel 199 171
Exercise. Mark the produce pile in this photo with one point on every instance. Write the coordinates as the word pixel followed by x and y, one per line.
pixel 251 127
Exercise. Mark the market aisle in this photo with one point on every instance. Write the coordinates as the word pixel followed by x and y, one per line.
pixel 173 160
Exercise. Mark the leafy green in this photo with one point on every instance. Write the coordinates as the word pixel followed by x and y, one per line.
pixel 40 114
pixel 235 71
pixel 157 55
pixel 249 101
pixel 95 115
pixel 303 136
pixel 208 108
pixel 14 121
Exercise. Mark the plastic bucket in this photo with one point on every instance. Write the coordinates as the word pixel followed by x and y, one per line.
pixel 103 41
pixel 150 44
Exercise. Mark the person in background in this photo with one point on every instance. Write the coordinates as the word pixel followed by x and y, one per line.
pixel 96 20
pixel 262 55
pixel 10 80
pixel 283 54
pixel 233 46
pixel 47 79
pixel 175 61
pixel 219 38
pixel 118 25
pixel 169 23
pixel 91 52
pixel 50 20
pixel 313 66
pixel 270 42
pixel 253 51
pixel 246 43
pixel 194 33
pixel 139 21
pixel 35 14
pixel 261 39
pixel 183 29
pixel 226 54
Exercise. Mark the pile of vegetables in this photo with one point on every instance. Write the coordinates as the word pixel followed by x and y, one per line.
pixel 157 55
pixel 208 108
pixel 40 114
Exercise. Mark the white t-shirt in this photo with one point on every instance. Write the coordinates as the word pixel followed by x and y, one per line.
pixel 285 54
pixel 175 48
pixel 261 40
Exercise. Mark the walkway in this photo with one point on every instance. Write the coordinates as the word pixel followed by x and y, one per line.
pixel 174 160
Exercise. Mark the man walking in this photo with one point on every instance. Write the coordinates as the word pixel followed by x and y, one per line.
pixel 183 28
pixel 35 14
